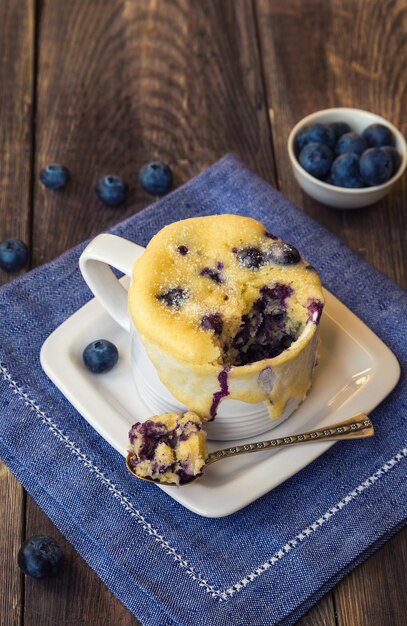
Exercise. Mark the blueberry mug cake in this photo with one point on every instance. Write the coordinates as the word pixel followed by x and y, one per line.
pixel 226 309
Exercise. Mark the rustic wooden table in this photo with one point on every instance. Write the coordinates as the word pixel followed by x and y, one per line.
pixel 103 86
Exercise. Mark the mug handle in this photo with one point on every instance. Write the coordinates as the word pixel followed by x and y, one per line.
pixel 102 252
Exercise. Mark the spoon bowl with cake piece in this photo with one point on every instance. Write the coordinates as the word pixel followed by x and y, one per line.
pixel 170 449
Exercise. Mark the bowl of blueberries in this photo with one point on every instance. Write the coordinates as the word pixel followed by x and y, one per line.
pixel 346 158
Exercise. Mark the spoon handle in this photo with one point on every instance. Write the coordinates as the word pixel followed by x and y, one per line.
pixel 356 427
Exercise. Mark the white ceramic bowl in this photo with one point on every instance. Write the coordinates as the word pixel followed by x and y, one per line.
pixel 341 197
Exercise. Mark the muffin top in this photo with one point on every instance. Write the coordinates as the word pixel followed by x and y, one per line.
pixel 222 290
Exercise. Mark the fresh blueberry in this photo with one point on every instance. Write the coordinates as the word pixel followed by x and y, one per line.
pixel 316 159
pixel 40 557
pixel 173 297
pixel 252 258
pixel 394 155
pixel 100 356
pixel 183 250
pixel 112 190
pixel 13 254
pixel 155 178
pixel 339 128
pixel 376 166
pixel 378 135
pixel 345 171
pixel 317 133
pixel 54 176
pixel 214 322
pixel 351 142
pixel 283 254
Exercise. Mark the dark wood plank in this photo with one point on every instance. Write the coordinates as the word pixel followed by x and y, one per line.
pixel 119 84
pixel 340 53
pixel 374 594
pixel 16 80
pixel 134 82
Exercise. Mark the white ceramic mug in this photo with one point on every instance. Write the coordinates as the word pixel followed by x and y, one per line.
pixel 235 419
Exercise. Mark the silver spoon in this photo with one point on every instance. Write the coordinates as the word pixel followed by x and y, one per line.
pixel 357 427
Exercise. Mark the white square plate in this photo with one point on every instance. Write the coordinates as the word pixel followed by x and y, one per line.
pixel 355 372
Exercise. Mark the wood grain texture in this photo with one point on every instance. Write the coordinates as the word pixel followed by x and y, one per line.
pixel 318 55
pixel 322 54
pixel 375 593
pixel 122 83
pixel 16 80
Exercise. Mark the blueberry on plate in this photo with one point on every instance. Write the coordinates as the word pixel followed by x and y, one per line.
pixel 54 176
pixel 345 172
pixel 351 142
pixel 316 159
pixel 155 178
pixel 13 254
pixel 378 135
pixel 100 356
pixel 340 128
pixel 112 190
pixel 317 133
pixel 40 557
pixel 376 166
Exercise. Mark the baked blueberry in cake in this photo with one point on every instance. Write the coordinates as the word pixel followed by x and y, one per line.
pixel 226 309
pixel 170 448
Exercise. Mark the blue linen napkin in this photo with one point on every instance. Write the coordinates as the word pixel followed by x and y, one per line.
pixel 263 565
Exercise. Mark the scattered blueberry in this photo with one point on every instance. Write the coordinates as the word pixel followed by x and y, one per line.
pixel 13 254
pixel 376 166
pixel 173 297
pixel 112 190
pixel 183 250
pixel 345 172
pixel 316 159
pixel 40 557
pixel 100 356
pixel 54 176
pixel 394 155
pixel 212 274
pixel 378 135
pixel 156 178
pixel 317 133
pixel 339 128
pixel 351 142
pixel 252 258
pixel 283 254
pixel 214 322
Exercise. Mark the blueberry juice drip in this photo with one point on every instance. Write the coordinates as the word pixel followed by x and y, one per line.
pixel 222 393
